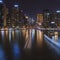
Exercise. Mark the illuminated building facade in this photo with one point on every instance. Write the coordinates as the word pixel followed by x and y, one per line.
pixel 5 12
pixel 40 19
pixel 17 16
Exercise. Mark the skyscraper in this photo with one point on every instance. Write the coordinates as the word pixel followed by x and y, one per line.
pixel 9 21
pixel 53 20
pixel 1 13
pixel 58 18
pixel 46 18
pixel 5 12
pixel 17 16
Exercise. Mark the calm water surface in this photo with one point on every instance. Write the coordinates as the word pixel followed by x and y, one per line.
pixel 25 45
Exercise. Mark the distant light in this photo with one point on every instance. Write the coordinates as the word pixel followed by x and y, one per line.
pixel 26 17
pixel 48 13
pixel 1 1
pixel 16 5
pixel 52 22
pixel 58 11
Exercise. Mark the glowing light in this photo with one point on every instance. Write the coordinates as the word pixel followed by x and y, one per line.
pixel 58 11
pixel 55 46
pixel 33 34
pixel 26 17
pixel 52 22
pixel 28 40
pixel 16 5
pixel 2 33
pixel 10 36
pixel 1 1
pixel 56 36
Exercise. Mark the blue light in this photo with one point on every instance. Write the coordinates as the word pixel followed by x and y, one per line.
pixel 16 6
pixel 1 1
pixel 16 51
pixel 54 45
pixel 2 54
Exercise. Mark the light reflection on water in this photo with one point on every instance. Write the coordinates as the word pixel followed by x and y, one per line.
pixel 6 33
pixel 33 34
pixel 55 46
pixel 27 34
pixel 29 38
pixel 16 51
pixel 24 32
pixel 2 53
pixel 10 36
pixel 2 33
pixel 39 38
pixel 15 36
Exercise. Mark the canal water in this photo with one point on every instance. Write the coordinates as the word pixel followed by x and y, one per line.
pixel 25 45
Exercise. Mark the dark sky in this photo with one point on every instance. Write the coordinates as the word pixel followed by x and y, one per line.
pixel 31 7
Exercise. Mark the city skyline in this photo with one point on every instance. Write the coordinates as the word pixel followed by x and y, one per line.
pixel 29 30
pixel 32 7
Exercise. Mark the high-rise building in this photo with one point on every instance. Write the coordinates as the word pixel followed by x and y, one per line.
pixel 5 12
pixel 53 19
pixel 17 16
pixel 39 19
pixel 1 13
pixel 58 18
pixel 9 21
pixel 46 18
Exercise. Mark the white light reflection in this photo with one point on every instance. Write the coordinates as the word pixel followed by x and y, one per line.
pixel 54 45
pixel 10 36
pixel 2 33
pixel 33 34
pixel 28 40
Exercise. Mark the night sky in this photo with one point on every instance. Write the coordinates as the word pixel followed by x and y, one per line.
pixel 32 7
